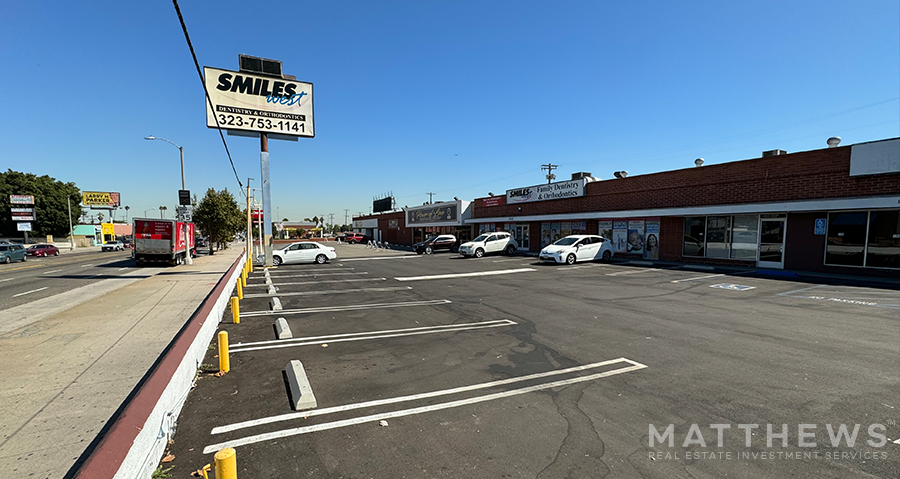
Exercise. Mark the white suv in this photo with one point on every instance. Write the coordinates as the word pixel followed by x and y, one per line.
pixel 498 242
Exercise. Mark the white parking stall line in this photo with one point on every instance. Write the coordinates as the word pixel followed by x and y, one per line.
pixel 788 293
pixel 29 292
pixel 631 271
pixel 346 308
pixel 122 269
pixel 341 338
pixel 384 257
pixel 52 271
pixel 7 279
pixel 86 265
pixel 419 410
pixel 465 275
pixel 340 291
pixel 506 260
pixel 685 280
pixel 314 275
pixel 293 270
pixel 316 282
pixel 412 397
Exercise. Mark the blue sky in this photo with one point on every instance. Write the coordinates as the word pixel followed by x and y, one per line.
pixel 457 98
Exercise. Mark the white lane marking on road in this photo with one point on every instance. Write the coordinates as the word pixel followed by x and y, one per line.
pixel 86 265
pixel 346 308
pixel 799 290
pixel 696 278
pixel 384 257
pixel 465 275
pixel 412 397
pixel 340 291
pixel 7 279
pixel 29 292
pixel 342 338
pixel 419 410
pixel 52 271
pixel 317 282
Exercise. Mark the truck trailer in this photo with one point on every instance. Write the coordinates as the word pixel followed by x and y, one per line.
pixel 162 241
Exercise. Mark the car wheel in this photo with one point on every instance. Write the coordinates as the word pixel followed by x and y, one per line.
pixel 570 259
pixel 321 259
pixel 428 250
pixel 454 249
pixel 276 260
pixel 56 253
pixel 607 255
pixel 510 250
pixel 7 260
pixel 479 253
pixel 25 258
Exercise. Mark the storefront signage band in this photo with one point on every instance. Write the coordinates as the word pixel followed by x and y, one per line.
pixel 551 191
pixel 441 214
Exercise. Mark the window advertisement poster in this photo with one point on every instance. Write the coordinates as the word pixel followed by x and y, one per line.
pixel 620 236
pixel 605 228
pixel 651 238
pixel 636 236
pixel 579 228
pixel 565 229
pixel 545 234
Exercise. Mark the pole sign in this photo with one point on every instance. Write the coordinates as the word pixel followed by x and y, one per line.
pixel 23 226
pixel 21 199
pixel 185 213
pixel 184 197
pixel 260 104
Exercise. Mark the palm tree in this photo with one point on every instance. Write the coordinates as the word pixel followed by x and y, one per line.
pixel 126 213
pixel 100 217
pixel 161 210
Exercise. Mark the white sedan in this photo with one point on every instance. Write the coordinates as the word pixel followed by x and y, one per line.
pixel 575 248
pixel 303 252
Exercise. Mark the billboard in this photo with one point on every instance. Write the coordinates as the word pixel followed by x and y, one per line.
pixel 260 104
pixel 100 198
pixel 384 204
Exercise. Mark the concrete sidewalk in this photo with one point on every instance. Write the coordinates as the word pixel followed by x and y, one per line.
pixel 66 374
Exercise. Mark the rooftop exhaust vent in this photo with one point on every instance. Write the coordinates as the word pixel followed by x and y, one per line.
pixel 620 174
pixel 774 153
pixel 833 141
pixel 580 175
pixel 698 162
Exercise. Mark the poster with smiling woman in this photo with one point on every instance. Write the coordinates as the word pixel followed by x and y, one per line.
pixel 651 239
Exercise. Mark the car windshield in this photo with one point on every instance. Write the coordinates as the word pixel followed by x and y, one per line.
pixel 430 239
pixel 480 238
pixel 566 241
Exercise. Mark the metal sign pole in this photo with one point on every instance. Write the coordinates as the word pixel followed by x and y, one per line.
pixel 267 199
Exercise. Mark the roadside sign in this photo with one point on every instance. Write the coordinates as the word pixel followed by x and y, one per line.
pixel 733 287
pixel 820 226
pixel 21 199
pixel 184 197
pixel 244 101
pixel 22 210
pixel 23 216
pixel 185 213
pixel 23 226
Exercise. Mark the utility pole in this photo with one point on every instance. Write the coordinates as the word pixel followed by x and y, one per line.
pixel 71 230
pixel 346 211
pixel 249 225
pixel 331 220
pixel 430 198
pixel 549 167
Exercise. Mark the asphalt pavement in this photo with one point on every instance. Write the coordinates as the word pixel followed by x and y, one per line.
pixel 439 366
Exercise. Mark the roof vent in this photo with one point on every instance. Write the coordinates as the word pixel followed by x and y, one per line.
pixel 580 175
pixel 774 153
pixel 620 174
pixel 698 162
pixel 833 141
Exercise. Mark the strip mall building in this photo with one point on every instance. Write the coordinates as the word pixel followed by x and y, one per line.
pixel 834 210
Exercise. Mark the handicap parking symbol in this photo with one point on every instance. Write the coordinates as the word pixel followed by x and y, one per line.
pixel 820 226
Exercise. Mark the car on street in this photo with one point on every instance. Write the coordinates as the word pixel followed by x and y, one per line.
pixel 113 246
pixel 42 250
pixel 574 248
pixel 496 242
pixel 436 243
pixel 12 252
pixel 303 252
pixel 354 238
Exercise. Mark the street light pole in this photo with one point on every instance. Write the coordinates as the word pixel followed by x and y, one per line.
pixel 188 260
pixel 71 229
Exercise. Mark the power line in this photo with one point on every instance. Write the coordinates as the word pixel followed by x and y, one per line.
pixel 208 100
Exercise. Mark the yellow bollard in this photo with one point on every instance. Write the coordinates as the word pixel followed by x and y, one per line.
pixel 244 278
pixel 235 309
pixel 240 290
pixel 224 361
pixel 226 464
pixel 249 263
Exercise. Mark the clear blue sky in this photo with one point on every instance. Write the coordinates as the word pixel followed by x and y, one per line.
pixel 457 98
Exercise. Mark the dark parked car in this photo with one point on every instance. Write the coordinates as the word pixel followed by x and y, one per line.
pixel 42 250
pixel 435 243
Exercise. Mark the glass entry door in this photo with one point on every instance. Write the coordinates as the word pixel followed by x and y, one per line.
pixel 522 236
pixel 771 243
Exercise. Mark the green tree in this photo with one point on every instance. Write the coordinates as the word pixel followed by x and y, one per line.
pixel 218 216
pixel 51 208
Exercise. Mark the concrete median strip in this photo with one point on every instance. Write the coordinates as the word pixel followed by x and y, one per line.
pixel 301 392
pixel 282 330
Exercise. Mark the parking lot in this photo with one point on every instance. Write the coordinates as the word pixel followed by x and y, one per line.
pixel 440 366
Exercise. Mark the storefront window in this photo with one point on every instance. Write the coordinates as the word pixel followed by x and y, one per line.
pixel 884 240
pixel 694 236
pixel 744 237
pixel 846 238
pixel 718 236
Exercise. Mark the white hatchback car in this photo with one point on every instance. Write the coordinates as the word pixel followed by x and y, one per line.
pixel 303 252
pixel 574 248
pixel 498 242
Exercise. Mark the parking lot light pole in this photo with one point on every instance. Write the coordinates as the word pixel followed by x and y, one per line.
pixel 71 229
pixel 187 255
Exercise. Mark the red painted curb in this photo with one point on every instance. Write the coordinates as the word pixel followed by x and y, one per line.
pixel 115 443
